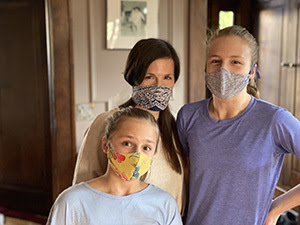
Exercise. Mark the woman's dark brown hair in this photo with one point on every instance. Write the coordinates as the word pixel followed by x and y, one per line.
pixel 140 57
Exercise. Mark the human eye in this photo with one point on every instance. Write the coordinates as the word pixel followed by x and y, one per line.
pixel 215 61
pixel 126 143
pixel 168 77
pixel 147 148
pixel 236 62
pixel 148 77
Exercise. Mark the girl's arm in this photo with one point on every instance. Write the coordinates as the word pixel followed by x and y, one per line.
pixel 283 203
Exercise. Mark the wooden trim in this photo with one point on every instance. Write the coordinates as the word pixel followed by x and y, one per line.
pixel 266 4
pixel 61 94
pixel 197 49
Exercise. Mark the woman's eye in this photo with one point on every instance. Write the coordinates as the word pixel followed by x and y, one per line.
pixel 236 62
pixel 168 77
pixel 147 77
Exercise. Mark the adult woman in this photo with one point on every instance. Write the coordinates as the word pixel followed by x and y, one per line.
pixel 152 69
pixel 236 142
pixel 119 196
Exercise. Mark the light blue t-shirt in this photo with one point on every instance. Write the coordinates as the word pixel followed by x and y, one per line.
pixel 83 205
pixel 235 164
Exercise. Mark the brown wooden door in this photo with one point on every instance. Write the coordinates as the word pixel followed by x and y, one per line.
pixel 270 41
pixel 25 151
pixel 297 91
pixel 279 61
pixel 290 83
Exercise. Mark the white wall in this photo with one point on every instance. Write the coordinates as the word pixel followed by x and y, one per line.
pixel 98 74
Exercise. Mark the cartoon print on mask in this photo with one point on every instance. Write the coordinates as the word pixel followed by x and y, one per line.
pixel 129 166
pixel 119 157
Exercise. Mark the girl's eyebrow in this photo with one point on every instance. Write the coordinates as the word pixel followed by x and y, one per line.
pixel 214 56
pixel 237 56
pixel 150 141
pixel 232 56
pixel 132 137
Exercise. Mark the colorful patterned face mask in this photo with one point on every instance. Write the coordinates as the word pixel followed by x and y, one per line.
pixel 154 97
pixel 129 166
pixel 225 84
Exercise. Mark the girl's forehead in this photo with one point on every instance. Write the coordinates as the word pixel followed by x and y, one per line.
pixel 229 46
pixel 136 127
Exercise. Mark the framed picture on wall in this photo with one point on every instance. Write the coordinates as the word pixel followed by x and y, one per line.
pixel 128 21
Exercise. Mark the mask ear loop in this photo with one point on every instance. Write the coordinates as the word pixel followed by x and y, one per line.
pixel 110 149
pixel 256 72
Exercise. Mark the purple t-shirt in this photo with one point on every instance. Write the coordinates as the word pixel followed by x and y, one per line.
pixel 235 164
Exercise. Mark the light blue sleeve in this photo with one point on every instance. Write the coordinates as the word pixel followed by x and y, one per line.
pixel 66 208
pixel 174 217
pixel 159 206
pixel 58 213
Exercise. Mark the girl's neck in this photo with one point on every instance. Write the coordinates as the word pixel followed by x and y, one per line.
pixel 225 109
pixel 112 184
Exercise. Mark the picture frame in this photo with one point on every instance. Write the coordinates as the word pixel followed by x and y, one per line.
pixel 128 21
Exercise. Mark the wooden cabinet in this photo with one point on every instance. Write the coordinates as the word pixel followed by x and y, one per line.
pixel 279 64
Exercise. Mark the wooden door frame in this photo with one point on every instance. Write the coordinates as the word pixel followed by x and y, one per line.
pixel 197 50
pixel 61 94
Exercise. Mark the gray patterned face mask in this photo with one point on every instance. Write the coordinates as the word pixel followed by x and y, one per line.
pixel 154 97
pixel 225 84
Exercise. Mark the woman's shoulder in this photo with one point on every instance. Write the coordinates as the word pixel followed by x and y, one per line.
pixel 98 124
pixel 103 116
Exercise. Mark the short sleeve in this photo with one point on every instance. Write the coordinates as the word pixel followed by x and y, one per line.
pixel 181 131
pixel 171 211
pixel 286 132
pixel 58 213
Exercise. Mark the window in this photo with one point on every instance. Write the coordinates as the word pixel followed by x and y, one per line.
pixel 225 19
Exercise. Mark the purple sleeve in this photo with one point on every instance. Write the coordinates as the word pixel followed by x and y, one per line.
pixel 182 132
pixel 286 132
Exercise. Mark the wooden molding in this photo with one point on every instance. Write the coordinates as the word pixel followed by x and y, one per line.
pixel 197 49
pixel 263 4
pixel 61 94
